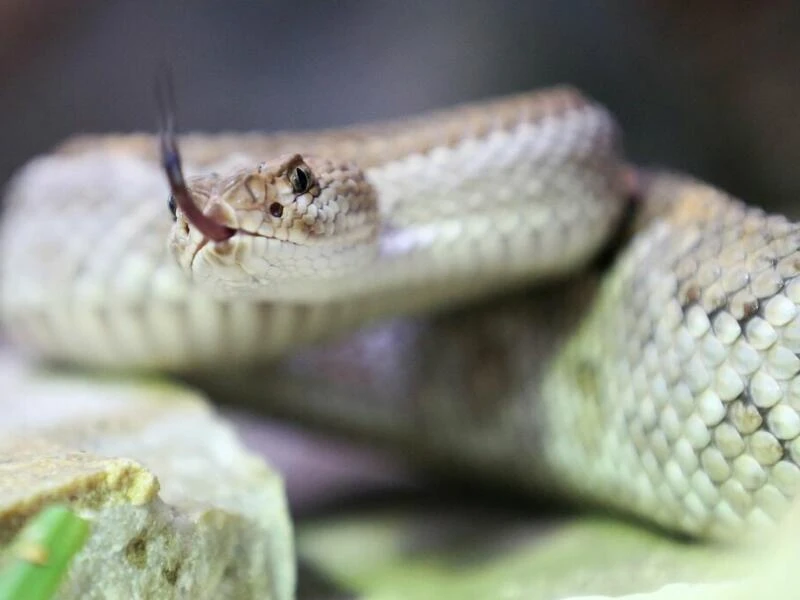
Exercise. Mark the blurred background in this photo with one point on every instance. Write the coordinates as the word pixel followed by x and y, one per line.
pixel 708 87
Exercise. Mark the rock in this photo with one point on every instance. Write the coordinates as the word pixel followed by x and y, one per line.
pixel 178 507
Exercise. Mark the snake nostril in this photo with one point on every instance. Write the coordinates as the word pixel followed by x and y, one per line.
pixel 276 209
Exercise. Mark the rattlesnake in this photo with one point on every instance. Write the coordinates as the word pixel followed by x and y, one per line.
pixel 644 354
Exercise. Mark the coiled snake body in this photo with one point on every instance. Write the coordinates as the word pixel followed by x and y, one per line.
pixel 665 384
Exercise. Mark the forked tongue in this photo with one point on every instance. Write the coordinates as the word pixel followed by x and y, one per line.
pixel 171 162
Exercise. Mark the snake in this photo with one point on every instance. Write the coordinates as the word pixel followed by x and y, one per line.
pixel 491 288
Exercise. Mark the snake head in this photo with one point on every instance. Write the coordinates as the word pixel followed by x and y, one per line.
pixel 275 227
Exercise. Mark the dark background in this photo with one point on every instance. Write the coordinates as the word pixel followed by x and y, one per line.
pixel 710 87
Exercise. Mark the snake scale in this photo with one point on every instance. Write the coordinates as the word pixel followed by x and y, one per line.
pixel 623 337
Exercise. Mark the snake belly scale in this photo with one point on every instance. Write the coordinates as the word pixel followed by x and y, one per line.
pixel 666 385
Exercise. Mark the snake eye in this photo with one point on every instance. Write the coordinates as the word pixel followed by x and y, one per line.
pixel 300 179
pixel 173 208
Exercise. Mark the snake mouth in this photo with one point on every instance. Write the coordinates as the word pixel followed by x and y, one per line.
pixel 230 233
pixel 207 226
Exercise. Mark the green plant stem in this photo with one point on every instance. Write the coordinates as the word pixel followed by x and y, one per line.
pixel 39 557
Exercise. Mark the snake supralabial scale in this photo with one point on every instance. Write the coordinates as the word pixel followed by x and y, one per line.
pixel 665 385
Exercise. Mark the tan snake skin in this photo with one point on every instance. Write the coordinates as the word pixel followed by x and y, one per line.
pixel 665 385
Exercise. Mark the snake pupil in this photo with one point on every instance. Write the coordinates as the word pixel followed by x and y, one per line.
pixel 300 180
pixel 276 209
pixel 173 208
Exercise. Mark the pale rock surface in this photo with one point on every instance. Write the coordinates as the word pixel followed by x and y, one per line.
pixel 178 507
